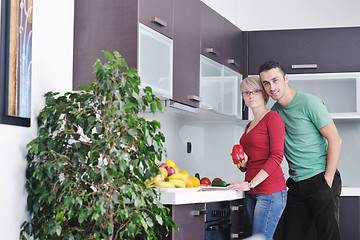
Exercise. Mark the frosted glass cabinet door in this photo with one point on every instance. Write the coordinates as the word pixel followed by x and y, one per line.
pixel 155 61
pixel 211 93
pixel 230 95
pixel 339 91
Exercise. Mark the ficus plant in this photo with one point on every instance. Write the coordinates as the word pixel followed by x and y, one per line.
pixel 87 166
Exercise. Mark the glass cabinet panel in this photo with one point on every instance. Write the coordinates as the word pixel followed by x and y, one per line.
pixel 219 87
pixel 339 91
pixel 155 61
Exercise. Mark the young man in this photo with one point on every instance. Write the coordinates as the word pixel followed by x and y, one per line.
pixel 312 149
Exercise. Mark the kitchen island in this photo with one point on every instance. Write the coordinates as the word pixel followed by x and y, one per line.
pixel 205 213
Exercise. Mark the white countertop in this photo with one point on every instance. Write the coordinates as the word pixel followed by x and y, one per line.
pixel 176 196
pixel 350 192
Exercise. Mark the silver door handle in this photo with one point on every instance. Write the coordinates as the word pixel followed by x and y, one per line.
pixel 194 98
pixel 158 21
pixel 213 51
pixel 232 61
pixel 303 66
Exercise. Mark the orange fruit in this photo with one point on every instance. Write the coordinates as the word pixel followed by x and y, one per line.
pixel 196 181
pixel 185 172
pixel 189 183
pixel 177 170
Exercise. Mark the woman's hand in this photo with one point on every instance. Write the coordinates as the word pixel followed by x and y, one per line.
pixel 242 186
pixel 244 163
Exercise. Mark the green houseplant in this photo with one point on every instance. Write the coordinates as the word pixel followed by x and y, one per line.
pixel 87 166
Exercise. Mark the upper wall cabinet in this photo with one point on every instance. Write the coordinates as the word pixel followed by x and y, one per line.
pixel 158 15
pixel 212 34
pixel 235 48
pixel 186 60
pixel 110 25
pixel 113 25
pixel 222 41
pixel 306 50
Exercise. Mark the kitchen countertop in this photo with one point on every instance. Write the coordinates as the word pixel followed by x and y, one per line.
pixel 350 192
pixel 177 196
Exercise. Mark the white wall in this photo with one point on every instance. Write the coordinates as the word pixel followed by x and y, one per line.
pixel 282 14
pixel 52 70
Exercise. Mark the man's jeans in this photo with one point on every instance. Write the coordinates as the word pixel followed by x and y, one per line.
pixel 264 211
pixel 312 200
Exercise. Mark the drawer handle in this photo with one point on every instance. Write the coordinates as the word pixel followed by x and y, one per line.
pixel 198 212
pixel 303 66
pixel 158 21
pixel 213 51
pixel 236 235
pixel 194 98
pixel 233 62
pixel 236 208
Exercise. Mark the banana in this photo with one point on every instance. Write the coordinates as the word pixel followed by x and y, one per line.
pixel 179 176
pixel 164 185
pixel 149 183
pixel 163 171
pixel 178 183
pixel 158 178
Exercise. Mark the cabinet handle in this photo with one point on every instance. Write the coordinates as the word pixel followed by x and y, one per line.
pixel 198 212
pixel 236 208
pixel 303 66
pixel 232 61
pixel 158 21
pixel 194 98
pixel 235 235
pixel 213 51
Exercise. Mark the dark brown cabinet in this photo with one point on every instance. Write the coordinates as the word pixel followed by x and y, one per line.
pixel 112 25
pixel 190 219
pixel 158 15
pixel 186 61
pixel 212 34
pixel 235 48
pixel 350 217
pixel 109 25
pixel 239 222
pixel 323 50
pixel 222 41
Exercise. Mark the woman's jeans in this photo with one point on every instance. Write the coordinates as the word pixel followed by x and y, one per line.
pixel 264 211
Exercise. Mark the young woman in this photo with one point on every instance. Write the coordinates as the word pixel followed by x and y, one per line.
pixel 263 143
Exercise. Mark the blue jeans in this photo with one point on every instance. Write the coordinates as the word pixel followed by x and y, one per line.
pixel 264 211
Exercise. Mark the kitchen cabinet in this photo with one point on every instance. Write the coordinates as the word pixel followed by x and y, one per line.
pixel 222 41
pixel 339 91
pixel 186 62
pixel 235 48
pixel 240 227
pixel 190 218
pixel 97 25
pixel 212 34
pixel 113 25
pixel 155 58
pixel 219 88
pixel 158 15
pixel 350 217
pixel 325 50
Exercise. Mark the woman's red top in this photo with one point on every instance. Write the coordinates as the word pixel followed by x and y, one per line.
pixel 264 145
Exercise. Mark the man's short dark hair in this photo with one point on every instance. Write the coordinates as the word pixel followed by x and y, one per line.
pixel 270 65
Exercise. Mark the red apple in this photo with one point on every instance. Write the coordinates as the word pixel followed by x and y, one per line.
pixel 163 165
pixel 170 170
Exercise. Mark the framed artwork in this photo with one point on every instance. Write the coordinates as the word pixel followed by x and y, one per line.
pixel 16 62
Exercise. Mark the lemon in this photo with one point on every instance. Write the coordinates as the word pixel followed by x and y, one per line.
pixel 170 163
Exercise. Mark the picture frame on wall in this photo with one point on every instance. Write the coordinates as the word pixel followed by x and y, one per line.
pixel 16 62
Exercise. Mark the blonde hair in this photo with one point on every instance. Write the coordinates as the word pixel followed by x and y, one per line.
pixel 253 83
